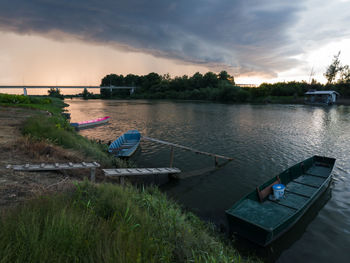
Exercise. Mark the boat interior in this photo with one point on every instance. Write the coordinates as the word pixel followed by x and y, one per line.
pixel 302 182
pixel 125 142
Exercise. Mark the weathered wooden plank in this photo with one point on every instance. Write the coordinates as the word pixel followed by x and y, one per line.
pixel 186 148
pixel 146 171
pixel 49 166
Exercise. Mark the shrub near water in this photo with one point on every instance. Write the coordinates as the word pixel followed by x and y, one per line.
pixel 107 223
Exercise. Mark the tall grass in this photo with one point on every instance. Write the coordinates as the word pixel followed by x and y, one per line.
pixel 58 131
pixel 107 223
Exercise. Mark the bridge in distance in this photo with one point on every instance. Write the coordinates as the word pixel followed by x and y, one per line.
pixel 132 89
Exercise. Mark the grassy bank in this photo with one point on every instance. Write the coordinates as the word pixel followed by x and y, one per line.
pixel 52 105
pixel 56 129
pixel 108 223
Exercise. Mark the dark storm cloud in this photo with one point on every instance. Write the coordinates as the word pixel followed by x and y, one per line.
pixel 244 35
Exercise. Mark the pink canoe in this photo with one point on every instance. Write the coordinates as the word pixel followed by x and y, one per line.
pixel 90 123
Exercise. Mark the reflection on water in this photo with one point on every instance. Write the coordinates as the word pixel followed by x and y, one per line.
pixel 263 139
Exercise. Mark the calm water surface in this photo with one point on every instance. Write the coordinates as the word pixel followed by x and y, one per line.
pixel 263 139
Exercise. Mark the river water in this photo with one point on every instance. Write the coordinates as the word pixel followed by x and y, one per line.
pixel 263 140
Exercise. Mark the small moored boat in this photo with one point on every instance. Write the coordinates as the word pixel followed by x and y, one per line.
pixel 126 145
pixel 90 123
pixel 261 218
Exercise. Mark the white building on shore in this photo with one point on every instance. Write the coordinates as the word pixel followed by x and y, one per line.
pixel 325 97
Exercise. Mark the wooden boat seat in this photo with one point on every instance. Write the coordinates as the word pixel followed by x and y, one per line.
pixel 323 164
pixel 123 147
pixel 262 194
pixel 129 143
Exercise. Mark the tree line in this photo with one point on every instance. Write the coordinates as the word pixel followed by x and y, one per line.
pixel 214 87
pixel 221 86
pixel 154 85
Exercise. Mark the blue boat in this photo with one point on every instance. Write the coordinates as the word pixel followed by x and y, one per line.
pixel 126 145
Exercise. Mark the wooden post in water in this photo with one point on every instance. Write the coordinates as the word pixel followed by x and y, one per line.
pixel 171 156
pixel 121 180
pixel 216 161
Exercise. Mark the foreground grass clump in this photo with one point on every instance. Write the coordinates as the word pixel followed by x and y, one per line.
pixel 107 223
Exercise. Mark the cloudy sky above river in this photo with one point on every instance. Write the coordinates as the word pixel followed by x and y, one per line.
pixel 65 42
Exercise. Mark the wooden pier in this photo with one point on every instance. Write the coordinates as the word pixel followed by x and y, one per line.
pixel 172 145
pixel 125 172
pixel 56 166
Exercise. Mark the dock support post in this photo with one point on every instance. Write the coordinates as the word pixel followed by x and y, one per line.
pixel 121 180
pixel 171 156
pixel 92 174
pixel 216 161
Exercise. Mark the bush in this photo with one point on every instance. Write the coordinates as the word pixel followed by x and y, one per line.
pixel 56 93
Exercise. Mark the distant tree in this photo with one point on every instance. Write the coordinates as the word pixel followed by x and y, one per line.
pixel 314 82
pixel 151 81
pixel 333 69
pixel 86 94
pixel 231 79
pixel 53 92
pixel 196 81
pixel 166 77
pixel 210 80
pixel 132 80
pixel 112 80
pixel 223 75
pixel 345 74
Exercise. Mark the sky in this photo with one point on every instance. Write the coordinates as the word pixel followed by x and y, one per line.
pixel 78 42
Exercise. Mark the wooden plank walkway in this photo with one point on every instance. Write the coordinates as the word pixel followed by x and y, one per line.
pixel 56 166
pixel 187 148
pixel 140 171
pixel 125 172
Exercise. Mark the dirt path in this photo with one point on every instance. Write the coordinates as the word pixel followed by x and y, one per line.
pixel 15 149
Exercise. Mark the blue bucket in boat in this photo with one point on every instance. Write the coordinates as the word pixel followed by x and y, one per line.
pixel 278 191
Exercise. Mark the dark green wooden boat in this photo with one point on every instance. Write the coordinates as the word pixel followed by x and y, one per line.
pixel 261 219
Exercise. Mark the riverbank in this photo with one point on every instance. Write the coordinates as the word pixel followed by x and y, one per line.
pixel 61 220
pixel 16 148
